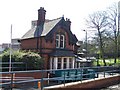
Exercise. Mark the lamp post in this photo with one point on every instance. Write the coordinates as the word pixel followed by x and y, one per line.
pixel 10 64
pixel 86 42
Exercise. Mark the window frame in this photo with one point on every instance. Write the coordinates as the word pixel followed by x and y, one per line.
pixel 57 41
pixel 60 41
pixel 59 63
pixel 70 62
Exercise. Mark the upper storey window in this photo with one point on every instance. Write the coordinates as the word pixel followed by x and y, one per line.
pixel 60 41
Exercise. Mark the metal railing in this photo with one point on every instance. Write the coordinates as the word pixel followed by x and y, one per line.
pixel 16 66
pixel 55 77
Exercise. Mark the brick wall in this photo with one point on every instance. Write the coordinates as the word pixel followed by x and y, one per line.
pixel 35 75
pixel 46 46
pixel 29 43
pixel 32 43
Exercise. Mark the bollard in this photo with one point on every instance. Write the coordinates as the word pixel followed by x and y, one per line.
pixel 39 84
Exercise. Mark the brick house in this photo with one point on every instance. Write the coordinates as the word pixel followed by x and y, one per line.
pixel 53 40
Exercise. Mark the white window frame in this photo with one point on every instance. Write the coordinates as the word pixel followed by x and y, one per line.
pixel 59 40
pixel 62 40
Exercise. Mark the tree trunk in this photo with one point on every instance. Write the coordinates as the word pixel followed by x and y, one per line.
pixel 101 47
pixel 116 47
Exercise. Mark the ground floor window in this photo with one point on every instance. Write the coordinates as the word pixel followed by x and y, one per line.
pixel 59 63
pixel 70 62
pixel 62 62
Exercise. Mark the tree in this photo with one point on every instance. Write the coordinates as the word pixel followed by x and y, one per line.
pixel 113 27
pixel 98 21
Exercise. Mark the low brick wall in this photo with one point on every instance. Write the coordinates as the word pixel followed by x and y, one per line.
pixel 35 75
pixel 28 75
pixel 91 85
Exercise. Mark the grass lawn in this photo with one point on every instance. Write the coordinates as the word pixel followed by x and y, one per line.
pixel 109 62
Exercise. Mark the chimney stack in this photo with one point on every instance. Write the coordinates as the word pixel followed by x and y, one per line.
pixel 68 22
pixel 41 16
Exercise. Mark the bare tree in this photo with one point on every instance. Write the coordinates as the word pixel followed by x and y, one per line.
pixel 98 21
pixel 113 31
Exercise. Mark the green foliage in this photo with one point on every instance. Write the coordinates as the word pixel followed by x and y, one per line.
pixel 109 62
pixel 33 60
pixel 30 60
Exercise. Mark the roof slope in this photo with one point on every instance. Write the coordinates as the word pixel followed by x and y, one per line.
pixel 48 28
pixel 41 30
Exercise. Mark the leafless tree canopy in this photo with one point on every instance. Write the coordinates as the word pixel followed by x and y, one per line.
pixel 97 20
pixel 106 23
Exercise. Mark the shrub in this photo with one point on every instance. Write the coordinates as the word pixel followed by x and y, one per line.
pixel 33 60
pixel 29 60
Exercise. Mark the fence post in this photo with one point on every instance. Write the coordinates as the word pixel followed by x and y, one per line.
pixel 104 73
pixel 11 85
pixel 42 81
pixel 81 75
pixel 48 78
pixel 98 71
pixel 64 77
pixel 13 80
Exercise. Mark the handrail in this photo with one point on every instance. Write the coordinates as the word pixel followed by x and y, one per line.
pixel 57 69
pixel 97 70
pixel 12 63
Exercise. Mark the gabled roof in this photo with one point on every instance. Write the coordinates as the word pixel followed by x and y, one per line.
pixel 41 30
pixel 48 28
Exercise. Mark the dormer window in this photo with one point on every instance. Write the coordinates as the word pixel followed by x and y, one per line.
pixel 60 41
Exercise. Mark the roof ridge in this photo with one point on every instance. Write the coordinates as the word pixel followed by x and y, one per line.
pixel 48 20
pixel 54 19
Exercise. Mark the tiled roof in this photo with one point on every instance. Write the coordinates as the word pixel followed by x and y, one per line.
pixel 29 34
pixel 49 25
pixel 41 30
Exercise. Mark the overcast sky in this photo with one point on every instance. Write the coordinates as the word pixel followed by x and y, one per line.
pixel 20 13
